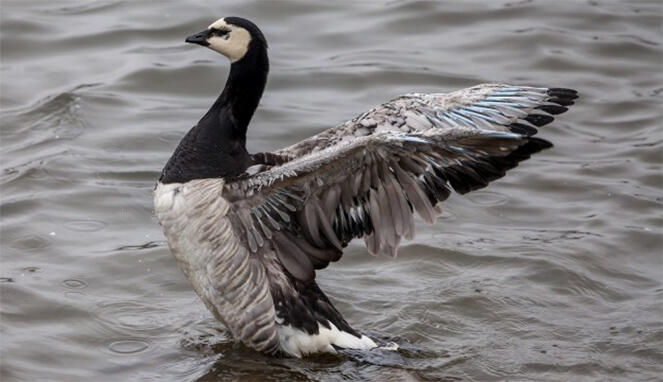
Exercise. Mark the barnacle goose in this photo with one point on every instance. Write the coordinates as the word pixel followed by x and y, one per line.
pixel 250 230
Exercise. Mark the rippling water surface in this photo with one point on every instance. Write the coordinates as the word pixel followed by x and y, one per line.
pixel 552 273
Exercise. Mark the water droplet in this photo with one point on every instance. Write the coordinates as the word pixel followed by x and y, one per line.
pixel 75 295
pixel 488 198
pixel 37 174
pixel 170 136
pixel 51 234
pixel 85 225
pixel 74 283
pixel 447 215
pixel 131 319
pixel 6 280
pixel 128 346
pixel 30 242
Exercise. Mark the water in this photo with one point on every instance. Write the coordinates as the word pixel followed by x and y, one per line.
pixel 552 273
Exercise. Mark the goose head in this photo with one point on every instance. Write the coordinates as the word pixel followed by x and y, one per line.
pixel 233 37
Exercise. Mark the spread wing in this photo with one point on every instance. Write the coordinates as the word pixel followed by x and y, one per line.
pixel 366 177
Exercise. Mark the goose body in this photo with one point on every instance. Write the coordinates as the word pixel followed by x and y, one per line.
pixel 250 231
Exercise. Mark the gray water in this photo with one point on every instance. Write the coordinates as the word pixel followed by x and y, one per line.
pixel 551 273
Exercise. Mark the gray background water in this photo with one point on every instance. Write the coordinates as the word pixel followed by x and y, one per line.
pixel 552 273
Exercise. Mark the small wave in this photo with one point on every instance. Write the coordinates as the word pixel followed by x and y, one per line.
pixel 88 7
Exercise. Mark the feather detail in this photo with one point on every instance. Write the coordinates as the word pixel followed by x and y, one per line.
pixel 416 195
pixel 293 258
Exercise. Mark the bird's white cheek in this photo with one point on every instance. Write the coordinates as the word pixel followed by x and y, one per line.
pixel 234 47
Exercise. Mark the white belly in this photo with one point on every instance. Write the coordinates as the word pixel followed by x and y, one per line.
pixel 298 343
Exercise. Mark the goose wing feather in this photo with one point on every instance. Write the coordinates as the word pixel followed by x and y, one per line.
pixel 486 106
pixel 366 178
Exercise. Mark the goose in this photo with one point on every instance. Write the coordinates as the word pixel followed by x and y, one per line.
pixel 250 231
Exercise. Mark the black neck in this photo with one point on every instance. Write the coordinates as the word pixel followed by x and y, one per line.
pixel 216 146
pixel 241 95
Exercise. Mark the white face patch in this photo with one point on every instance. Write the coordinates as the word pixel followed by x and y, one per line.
pixel 232 45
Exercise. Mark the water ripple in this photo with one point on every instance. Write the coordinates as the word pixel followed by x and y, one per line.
pixel 551 273
pixel 74 283
pixel 128 346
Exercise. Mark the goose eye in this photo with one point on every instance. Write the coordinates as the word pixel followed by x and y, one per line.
pixel 220 32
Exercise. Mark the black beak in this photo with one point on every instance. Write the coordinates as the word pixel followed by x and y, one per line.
pixel 199 38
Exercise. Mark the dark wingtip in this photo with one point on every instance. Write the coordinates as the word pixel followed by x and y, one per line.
pixel 522 129
pixel 539 120
pixel 563 93
pixel 552 109
pixel 561 101
pixel 533 146
pixel 477 174
pixel 538 144
pixel 563 90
